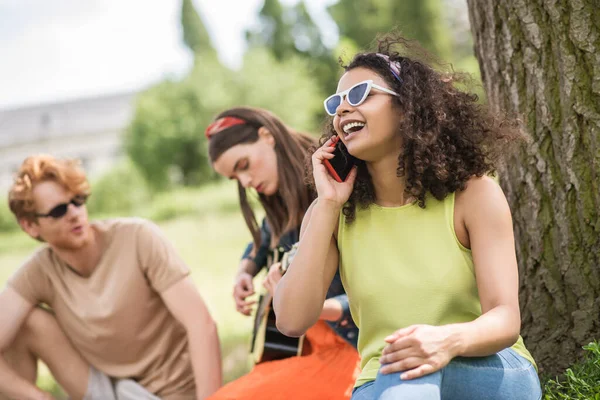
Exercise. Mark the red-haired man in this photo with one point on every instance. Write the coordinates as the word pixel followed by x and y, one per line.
pixel 124 319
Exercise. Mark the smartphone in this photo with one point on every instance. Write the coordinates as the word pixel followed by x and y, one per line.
pixel 340 166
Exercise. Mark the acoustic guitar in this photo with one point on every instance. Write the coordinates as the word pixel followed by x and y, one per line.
pixel 268 343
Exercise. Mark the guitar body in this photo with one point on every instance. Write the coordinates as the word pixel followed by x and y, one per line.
pixel 268 343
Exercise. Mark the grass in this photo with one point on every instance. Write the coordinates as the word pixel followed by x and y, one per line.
pixel 210 234
pixel 581 381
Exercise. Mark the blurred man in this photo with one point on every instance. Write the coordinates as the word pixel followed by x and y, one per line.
pixel 123 318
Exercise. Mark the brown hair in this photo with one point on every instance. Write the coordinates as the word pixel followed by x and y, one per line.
pixel 41 168
pixel 448 137
pixel 286 208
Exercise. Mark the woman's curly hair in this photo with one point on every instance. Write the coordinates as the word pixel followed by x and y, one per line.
pixel 448 137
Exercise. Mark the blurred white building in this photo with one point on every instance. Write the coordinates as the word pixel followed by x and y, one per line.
pixel 89 129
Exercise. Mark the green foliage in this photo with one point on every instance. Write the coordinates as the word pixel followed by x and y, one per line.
pixel 215 199
pixel 272 32
pixel 7 219
pixel 581 381
pixel 345 50
pixel 286 31
pixel 362 20
pixel 131 197
pixel 285 87
pixel 122 189
pixel 195 35
pixel 46 382
pixel 166 137
pixel 289 31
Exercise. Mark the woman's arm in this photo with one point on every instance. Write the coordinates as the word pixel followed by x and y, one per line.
pixel 300 295
pixel 335 309
pixel 488 222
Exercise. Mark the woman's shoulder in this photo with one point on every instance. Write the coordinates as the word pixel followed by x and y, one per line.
pixel 482 197
pixel 480 188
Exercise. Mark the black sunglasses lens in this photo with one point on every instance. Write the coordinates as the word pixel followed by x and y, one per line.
pixel 58 211
pixel 356 94
pixel 332 104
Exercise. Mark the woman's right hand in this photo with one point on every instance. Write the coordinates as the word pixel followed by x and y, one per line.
pixel 242 288
pixel 328 189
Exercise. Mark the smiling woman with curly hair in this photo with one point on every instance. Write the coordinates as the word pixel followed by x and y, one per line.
pixel 447 135
pixel 423 236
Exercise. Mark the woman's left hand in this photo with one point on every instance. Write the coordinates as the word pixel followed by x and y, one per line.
pixel 419 350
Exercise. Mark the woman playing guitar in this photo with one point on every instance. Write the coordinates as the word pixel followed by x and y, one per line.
pixel 254 147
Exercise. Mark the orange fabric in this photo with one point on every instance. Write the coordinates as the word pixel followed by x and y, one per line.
pixel 328 372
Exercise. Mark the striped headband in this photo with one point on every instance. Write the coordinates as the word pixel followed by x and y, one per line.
pixel 394 65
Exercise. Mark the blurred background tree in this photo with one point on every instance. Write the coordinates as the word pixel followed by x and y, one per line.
pixel 165 139
pixel 291 31
pixel 195 35
pixel 362 20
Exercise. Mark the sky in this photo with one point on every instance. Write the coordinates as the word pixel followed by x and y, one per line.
pixel 54 50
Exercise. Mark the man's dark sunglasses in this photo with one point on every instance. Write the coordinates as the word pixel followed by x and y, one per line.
pixel 60 210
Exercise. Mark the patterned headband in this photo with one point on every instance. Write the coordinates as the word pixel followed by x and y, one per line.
pixel 222 124
pixel 394 65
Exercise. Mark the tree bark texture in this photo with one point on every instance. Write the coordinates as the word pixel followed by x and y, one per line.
pixel 541 60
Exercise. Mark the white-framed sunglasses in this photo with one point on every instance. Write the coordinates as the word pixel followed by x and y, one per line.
pixel 356 95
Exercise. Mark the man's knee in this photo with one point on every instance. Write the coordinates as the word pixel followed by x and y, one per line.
pixel 38 322
pixel 39 328
pixel 20 355
pixel 35 324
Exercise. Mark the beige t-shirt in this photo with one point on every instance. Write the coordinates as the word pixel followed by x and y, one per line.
pixel 116 318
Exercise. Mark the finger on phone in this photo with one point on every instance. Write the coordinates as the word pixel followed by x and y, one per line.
pixel 351 176
pixel 331 140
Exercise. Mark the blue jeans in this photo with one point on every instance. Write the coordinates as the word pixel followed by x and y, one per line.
pixel 502 376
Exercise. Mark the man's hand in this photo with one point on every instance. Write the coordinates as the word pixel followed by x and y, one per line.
pixel 273 277
pixel 242 288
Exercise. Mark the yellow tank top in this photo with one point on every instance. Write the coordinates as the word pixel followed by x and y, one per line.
pixel 402 266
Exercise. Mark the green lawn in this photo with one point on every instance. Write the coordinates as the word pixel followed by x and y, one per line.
pixel 211 239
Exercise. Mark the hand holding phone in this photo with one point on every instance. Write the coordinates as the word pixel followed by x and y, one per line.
pixel 341 164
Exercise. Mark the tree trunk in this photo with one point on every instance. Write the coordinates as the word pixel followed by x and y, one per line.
pixel 541 59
